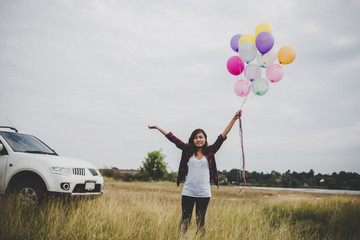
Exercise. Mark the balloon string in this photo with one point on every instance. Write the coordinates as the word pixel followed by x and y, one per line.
pixel 244 100
pixel 247 98
pixel 242 154
pixel 242 140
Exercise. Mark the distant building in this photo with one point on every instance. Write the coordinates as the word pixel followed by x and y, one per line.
pixel 277 180
pixel 123 171
pixel 131 171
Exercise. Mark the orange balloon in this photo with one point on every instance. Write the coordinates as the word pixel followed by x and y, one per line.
pixel 286 55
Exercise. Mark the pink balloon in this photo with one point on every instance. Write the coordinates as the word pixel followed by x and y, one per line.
pixel 235 65
pixel 242 87
pixel 274 73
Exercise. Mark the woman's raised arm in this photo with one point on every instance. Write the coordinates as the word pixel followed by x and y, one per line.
pixel 230 125
pixel 180 144
pixel 158 128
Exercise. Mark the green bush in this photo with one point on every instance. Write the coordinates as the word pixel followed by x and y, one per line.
pixel 143 176
pixel 127 177
pixel 171 177
pixel 108 173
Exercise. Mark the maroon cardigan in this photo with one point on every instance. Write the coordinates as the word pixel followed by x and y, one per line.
pixel 186 154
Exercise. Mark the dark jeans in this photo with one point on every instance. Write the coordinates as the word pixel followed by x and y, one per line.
pixel 187 204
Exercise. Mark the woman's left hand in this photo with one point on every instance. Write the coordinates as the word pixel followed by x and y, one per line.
pixel 230 125
pixel 238 114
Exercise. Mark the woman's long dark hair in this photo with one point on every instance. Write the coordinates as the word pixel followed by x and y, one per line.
pixel 191 141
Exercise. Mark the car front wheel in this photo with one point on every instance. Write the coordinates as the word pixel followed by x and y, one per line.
pixel 30 192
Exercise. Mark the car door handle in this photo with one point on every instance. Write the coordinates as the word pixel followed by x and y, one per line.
pixel 10 165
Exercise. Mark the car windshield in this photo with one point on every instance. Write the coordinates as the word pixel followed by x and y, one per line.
pixel 26 143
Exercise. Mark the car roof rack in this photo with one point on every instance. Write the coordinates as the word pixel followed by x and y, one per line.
pixel 12 128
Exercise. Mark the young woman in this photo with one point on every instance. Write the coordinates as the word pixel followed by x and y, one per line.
pixel 198 165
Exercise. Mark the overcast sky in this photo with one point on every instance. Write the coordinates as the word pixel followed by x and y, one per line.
pixel 87 77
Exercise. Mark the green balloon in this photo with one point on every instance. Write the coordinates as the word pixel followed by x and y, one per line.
pixel 260 86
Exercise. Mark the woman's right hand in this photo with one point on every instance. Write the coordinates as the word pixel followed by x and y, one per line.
pixel 160 129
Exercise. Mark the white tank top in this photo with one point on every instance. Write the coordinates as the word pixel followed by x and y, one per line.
pixel 197 183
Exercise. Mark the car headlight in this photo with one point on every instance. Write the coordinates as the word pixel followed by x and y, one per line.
pixel 61 170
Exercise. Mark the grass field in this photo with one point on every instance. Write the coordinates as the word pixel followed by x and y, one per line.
pixel 153 211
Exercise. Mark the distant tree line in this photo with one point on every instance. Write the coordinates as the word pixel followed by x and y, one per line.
pixel 341 180
pixel 154 168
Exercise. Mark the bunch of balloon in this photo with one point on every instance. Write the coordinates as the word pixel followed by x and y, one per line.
pixel 255 53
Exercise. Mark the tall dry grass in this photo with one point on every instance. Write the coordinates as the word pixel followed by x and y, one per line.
pixel 153 211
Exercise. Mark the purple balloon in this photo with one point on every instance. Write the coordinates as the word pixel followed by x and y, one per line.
pixel 264 42
pixel 234 43
pixel 252 71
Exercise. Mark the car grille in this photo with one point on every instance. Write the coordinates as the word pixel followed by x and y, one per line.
pixel 79 171
pixel 80 188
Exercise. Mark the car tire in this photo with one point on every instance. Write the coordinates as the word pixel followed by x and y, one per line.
pixel 30 191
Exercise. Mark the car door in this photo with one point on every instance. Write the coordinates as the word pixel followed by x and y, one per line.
pixel 3 165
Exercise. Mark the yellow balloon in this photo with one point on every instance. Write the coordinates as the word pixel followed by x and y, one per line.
pixel 286 55
pixel 263 27
pixel 246 38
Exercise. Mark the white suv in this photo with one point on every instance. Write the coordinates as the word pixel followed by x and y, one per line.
pixel 30 168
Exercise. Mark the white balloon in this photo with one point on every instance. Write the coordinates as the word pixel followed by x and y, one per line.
pixel 260 86
pixel 247 51
pixel 268 58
